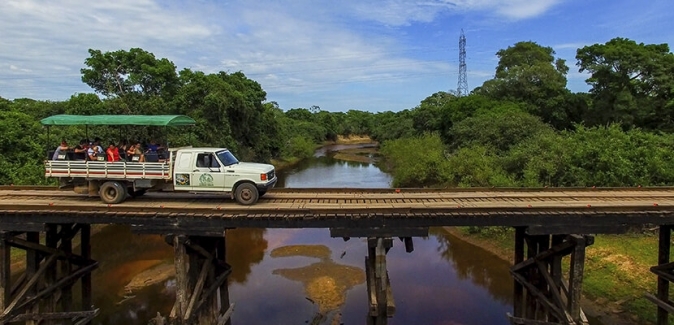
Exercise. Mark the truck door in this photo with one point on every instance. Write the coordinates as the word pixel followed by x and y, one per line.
pixel 182 171
pixel 207 174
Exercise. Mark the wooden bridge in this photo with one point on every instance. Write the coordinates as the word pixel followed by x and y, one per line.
pixel 550 223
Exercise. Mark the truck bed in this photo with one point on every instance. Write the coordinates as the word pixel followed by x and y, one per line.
pixel 108 170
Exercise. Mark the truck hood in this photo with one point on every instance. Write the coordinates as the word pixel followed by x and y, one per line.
pixel 248 167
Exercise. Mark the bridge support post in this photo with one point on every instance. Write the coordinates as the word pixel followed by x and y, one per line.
pixel 664 270
pixel 42 293
pixel 541 295
pixel 379 242
pixel 380 295
pixel 201 281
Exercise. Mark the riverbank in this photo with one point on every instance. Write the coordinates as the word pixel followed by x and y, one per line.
pixel 358 154
pixel 616 273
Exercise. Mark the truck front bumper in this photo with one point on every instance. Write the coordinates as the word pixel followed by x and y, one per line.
pixel 264 187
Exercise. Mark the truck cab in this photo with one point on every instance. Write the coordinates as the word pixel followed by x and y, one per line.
pixel 218 170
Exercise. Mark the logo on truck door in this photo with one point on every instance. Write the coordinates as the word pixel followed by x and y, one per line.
pixel 206 180
pixel 183 179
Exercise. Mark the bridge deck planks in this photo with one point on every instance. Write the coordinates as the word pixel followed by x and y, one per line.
pixel 353 208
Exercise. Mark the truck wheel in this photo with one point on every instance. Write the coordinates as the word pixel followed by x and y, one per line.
pixel 112 192
pixel 246 194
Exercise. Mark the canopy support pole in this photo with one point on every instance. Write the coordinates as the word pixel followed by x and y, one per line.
pixel 47 145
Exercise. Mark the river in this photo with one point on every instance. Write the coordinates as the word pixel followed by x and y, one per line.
pixel 303 276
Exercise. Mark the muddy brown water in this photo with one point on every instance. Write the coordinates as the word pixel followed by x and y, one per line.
pixel 303 276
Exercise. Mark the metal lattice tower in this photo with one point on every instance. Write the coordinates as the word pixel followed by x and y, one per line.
pixel 463 78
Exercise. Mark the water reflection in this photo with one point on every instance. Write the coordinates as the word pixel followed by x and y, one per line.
pixel 325 282
pixel 245 247
pixel 123 255
pixel 476 265
pixel 325 171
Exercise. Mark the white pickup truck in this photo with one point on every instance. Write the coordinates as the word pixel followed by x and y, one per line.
pixel 186 169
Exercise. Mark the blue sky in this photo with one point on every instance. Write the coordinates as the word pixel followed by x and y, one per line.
pixel 371 55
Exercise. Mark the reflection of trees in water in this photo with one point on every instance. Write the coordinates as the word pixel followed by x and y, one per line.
pixel 122 255
pixel 476 264
pixel 245 247
pixel 330 161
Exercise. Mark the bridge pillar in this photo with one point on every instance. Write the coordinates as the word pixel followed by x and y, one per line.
pixel 541 294
pixel 379 242
pixel 202 295
pixel 43 292
pixel 380 295
pixel 665 272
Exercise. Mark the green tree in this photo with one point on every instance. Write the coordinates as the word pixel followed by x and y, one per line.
pixel 428 115
pixel 632 84
pixel 300 114
pixel 203 97
pixel 465 107
pixel 127 73
pixel 4 104
pixel 499 129
pixel 417 161
pixel 391 126
pixel 22 147
pixel 530 74
pixel 357 122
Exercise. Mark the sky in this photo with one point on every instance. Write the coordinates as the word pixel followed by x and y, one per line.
pixel 368 55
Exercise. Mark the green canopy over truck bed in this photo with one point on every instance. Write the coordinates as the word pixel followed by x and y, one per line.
pixel 156 120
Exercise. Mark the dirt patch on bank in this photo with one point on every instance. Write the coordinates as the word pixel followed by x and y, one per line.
pixel 353 139
pixel 325 282
pixel 364 155
pixel 159 272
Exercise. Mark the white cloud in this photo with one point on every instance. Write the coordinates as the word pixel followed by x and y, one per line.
pixel 291 48
pixel 48 40
pixel 404 12
pixel 567 46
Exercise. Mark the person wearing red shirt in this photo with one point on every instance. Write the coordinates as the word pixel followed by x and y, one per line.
pixel 112 152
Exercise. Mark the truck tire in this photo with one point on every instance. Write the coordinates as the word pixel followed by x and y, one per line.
pixel 112 192
pixel 246 194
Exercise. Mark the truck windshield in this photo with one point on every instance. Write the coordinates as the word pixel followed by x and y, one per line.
pixel 227 158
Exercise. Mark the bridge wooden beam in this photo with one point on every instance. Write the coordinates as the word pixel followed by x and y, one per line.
pixel 664 271
pixel 379 232
pixel 5 272
pixel 164 222
pixel 36 295
pixel 380 295
pixel 540 295
pixel 201 281
pixel 85 252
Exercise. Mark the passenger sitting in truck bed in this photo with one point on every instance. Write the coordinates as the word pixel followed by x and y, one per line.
pixel 60 152
pixel 135 153
pixel 80 150
pixel 153 146
pixel 123 146
pixel 95 150
pixel 82 147
pixel 112 152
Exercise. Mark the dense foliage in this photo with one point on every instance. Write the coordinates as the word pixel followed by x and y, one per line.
pixel 524 128
pixel 521 128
